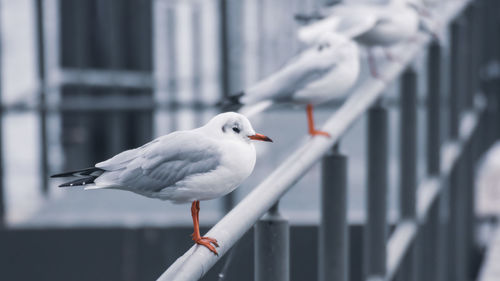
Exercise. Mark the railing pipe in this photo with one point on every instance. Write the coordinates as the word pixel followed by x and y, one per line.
pixel 272 247
pixel 333 230
pixel 376 211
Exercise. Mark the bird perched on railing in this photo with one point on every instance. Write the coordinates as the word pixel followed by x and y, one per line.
pixel 371 24
pixel 324 71
pixel 183 166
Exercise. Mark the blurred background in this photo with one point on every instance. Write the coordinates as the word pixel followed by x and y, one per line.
pixel 85 79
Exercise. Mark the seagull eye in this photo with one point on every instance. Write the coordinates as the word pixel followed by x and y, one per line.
pixel 236 130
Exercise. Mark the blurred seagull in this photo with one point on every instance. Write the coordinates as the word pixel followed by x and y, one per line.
pixel 371 24
pixel 183 166
pixel 324 71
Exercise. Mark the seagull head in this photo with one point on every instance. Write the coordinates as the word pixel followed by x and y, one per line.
pixel 232 125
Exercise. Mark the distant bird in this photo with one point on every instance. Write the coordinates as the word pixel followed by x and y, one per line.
pixel 324 71
pixel 183 166
pixel 371 24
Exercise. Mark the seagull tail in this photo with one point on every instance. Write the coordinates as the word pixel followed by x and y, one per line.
pixel 232 102
pixel 84 176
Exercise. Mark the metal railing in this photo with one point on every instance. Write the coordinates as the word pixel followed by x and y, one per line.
pixel 433 238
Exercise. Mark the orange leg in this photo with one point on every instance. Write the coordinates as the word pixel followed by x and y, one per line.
pixel 310 123
pixel 205 241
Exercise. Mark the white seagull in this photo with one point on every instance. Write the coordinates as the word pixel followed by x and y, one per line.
pixel 371 24
pixel 183 166
pixel 326 70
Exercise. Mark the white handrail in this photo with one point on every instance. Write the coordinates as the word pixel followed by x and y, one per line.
pixel 198 260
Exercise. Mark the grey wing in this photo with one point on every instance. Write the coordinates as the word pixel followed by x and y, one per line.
pixel 120 160
pixel 170 161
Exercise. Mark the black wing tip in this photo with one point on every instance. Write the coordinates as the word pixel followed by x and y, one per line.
pixel 76 173
pixel 232 102
pixel 307 18
pixel 79 182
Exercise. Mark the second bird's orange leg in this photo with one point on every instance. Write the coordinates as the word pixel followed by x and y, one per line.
pixel 310 123
pixel 197 238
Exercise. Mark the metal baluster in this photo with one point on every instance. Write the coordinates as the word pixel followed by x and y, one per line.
pixel 408 164
pixel 434 247
pixel 230 29
pixel 44 163
pixel 467 46
pixel 433 109
pixel 468 200
pixel 477 39
pixel 376 211
pixel 457 224
pixel 333 231
pixel 2 199
pixel 457 32
pixel 489 83
pixel 495 7
pixel 272 247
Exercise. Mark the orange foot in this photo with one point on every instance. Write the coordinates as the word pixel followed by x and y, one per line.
pixel 207 242
pixel 319 133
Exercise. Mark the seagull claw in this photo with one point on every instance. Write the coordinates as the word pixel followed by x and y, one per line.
pixel 207 242
pixel 212 240
pixel 319 133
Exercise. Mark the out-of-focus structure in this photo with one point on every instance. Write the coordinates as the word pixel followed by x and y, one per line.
pixel 393 198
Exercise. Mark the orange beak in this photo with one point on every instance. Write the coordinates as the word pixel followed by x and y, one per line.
pixel 260 137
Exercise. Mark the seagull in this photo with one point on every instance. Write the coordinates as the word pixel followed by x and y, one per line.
pixel 324 71
pixel 370 24
pixel 183 166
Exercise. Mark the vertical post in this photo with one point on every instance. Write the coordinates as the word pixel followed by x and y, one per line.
pixel 433 109
pixel 433 248
pixel 443 210
pixel 230 13
pixel 468 201
pixel 408 144
pixel 224 47
pixel 489 83
pixel 408 164
pixel 456 240
pixel 42 97
pixel 455 87
pixel 466 47
pixel 229 199
pixel 333 230
pixel 476 46
pixel 272 247
pixel 376 211
pixel 2 199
